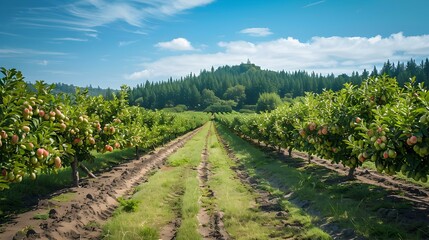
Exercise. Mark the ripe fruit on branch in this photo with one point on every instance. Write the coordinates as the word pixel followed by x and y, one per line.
pixel 412 140
pixel 108 148
pixel 57 162
pixel 26 129
pixel 358 120
pixel 15 139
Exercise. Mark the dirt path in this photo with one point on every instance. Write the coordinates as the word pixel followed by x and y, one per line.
pixel 210 219
pixel 90 205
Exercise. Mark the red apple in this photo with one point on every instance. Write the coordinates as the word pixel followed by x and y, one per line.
pixel 385 155
pixel 413 140
pixel 41 113
pixel 358 119
pixel 15 139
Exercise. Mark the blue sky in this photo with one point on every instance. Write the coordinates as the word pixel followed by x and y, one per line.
pixel 108 43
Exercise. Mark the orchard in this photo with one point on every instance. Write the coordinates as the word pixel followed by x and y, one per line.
pixel 376 121
pixel 41 132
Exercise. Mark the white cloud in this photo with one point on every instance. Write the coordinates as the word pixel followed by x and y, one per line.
pixel 71 39
pixel 126 43
pixel 177 44
pixel 257 32
pixel 95 13
pixel 43 63
pixel 314 4
pixel 13 52
pixel 321 54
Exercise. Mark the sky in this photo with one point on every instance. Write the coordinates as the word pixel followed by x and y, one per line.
pixel 108 43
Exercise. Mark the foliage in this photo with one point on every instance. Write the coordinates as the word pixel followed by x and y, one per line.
pixel 128 205
pixel 226 79
pixel 268 102
pixel 42 132
pixel 376 121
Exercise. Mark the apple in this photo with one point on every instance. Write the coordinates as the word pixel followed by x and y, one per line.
pixel 392 153
pixel 41 113
pixel 117 145
pixel 108 148
pixel 76 141
pixel 3 134
pixel 112 130
pixel 63 127
pixel 413 140
pixel 30 146
pixel 52 113
pixel 385 155
pixel 45 153
pixel 26 129
pixel 91 140
pixel 15 139
pixel 39 153
pixel 358 120
pixel 33 176
pixel 57 162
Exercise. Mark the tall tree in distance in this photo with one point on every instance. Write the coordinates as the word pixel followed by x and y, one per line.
pixel 237 94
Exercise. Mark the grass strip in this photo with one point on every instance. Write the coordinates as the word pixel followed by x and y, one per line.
pixel 169 193
pixel 351 205
pixel 242 217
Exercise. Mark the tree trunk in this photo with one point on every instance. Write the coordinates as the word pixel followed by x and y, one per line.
pixel 75 172
pixel 87 171
pixel 137 152
pixel 351 173
pixel 309 158
pixel 290 151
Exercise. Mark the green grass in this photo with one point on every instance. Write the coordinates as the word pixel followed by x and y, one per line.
pixel 170 192
pixel 242 218
pixel 21 196
pixel 349 204
pixel 65 197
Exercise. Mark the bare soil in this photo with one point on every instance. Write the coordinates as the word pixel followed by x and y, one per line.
pixel 91 204
pixel 209 217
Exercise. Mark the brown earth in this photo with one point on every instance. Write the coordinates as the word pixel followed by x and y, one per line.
pixel 91 204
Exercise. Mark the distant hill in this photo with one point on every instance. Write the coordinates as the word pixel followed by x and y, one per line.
pixel 241 85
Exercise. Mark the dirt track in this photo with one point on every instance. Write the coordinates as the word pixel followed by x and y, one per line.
pixel 92 203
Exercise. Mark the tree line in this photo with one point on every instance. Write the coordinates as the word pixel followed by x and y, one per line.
pixel 240 86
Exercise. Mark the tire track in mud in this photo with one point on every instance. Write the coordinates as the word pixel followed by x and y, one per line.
pixel 92 203
pixel 209 217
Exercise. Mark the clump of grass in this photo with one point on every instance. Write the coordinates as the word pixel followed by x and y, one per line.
pixel 41 216
pixel 65 197
pixel 128 205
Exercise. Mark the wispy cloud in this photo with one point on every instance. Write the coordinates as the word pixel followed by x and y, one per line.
pixel 95 13
pixel 321 54
pixel 314 4
pixel 43 63
pixel 12 52
pixel 9 34
pixel 71 39
pixel 177 44
pixel 126 43
pixel 257 32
